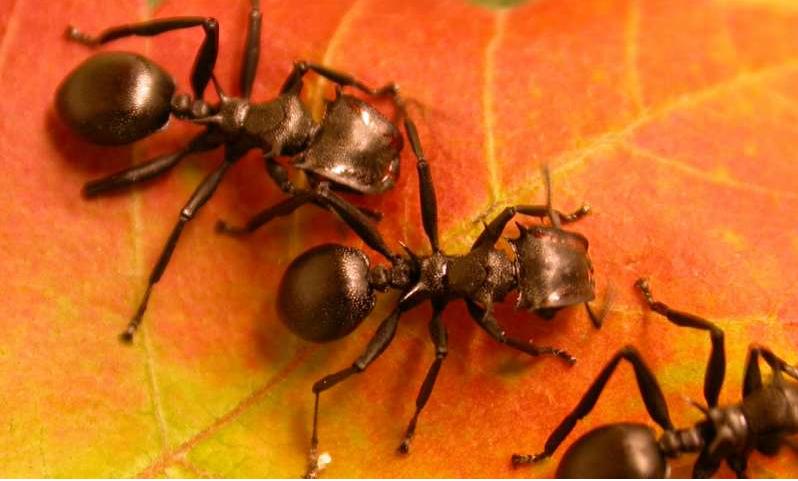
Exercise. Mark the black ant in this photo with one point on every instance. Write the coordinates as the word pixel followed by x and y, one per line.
pixel 767 415
pixel 329 290
pixel 116 98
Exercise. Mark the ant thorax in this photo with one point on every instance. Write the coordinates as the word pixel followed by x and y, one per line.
pixel 728 432
pixel 483 275
pixel 283 125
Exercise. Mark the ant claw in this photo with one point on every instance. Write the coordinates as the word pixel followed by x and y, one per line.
pixel 126 337
pixel 404 448
pixel 223 227
pixel 519 459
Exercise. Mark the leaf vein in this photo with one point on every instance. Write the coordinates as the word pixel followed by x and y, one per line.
pixel 571 159
pixel 708 177
pixel 488 107
pixel 11 30
pixel 174 455
pixel 632 37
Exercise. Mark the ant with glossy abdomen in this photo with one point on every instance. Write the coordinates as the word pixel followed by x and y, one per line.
pixel 329 290
pixel 762 421
pixel 116 98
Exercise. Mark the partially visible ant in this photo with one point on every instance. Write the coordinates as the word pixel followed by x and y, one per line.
pixel 329 290
pixel 116 98
pixel 767 415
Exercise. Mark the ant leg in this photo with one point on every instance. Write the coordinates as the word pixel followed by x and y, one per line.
pixel 486 321
pixel 293 83
pixel 647 384
pixel 705 466
pixel 265 216
pixel 752 379
pixel 376 346
pixel 280 177
pixel 429 203
pixel 197 200
pixel 738 464
pixel 346 80
pixel 598 318
pixel 493 230
pixel 716 367
pixel 355 219
pixel 251 50
pixel 206 56
pixel 358 221
pixel 437 332
pixel 147 170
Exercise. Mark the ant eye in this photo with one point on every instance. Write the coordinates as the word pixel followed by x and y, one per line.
pixel 325 294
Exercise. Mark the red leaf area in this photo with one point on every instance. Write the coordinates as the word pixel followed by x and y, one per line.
pixel 676 120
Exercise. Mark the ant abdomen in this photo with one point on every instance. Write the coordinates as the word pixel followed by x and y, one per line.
pixel 325 293
pixel 621 450
pixel 115 98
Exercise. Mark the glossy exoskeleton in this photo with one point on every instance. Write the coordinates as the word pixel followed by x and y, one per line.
pixel 329 290
pixel 766 417
pixel 117 98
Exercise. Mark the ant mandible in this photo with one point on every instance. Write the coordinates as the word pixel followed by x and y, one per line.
pixel 329 290
pixel 116 98
pixel 767 415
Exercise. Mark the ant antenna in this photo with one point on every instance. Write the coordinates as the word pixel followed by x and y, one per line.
pixel 553 216
pixel 698 406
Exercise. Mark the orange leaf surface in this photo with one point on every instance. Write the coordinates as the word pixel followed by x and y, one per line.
pixel 676 120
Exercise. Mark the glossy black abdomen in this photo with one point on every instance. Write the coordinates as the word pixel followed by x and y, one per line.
pixel 115 98
pixel 325 294
pixel 622 450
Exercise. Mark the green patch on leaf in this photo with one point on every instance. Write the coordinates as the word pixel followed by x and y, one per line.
pixel 493 3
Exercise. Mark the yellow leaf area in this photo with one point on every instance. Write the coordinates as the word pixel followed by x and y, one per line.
pixel 676 120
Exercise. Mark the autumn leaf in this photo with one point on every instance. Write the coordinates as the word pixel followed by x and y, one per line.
pixel 676 120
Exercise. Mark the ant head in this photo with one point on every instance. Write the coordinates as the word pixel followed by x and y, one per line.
pixel 325 293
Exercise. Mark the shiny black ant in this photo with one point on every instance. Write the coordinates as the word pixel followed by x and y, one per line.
pixel 116 98
pixel 329 290
pixel 767 415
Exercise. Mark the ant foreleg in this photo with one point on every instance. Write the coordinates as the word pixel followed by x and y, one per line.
pixel 197 200
pixel 437 332
pixel 597 318
pixel 716 367
pixel 147 170
pixel 486 321
pixel 649 389
pixel 251 50
pixel 206 56
pixel 493 230
pixel 376 346
pixel 429 203
pixel 293 83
